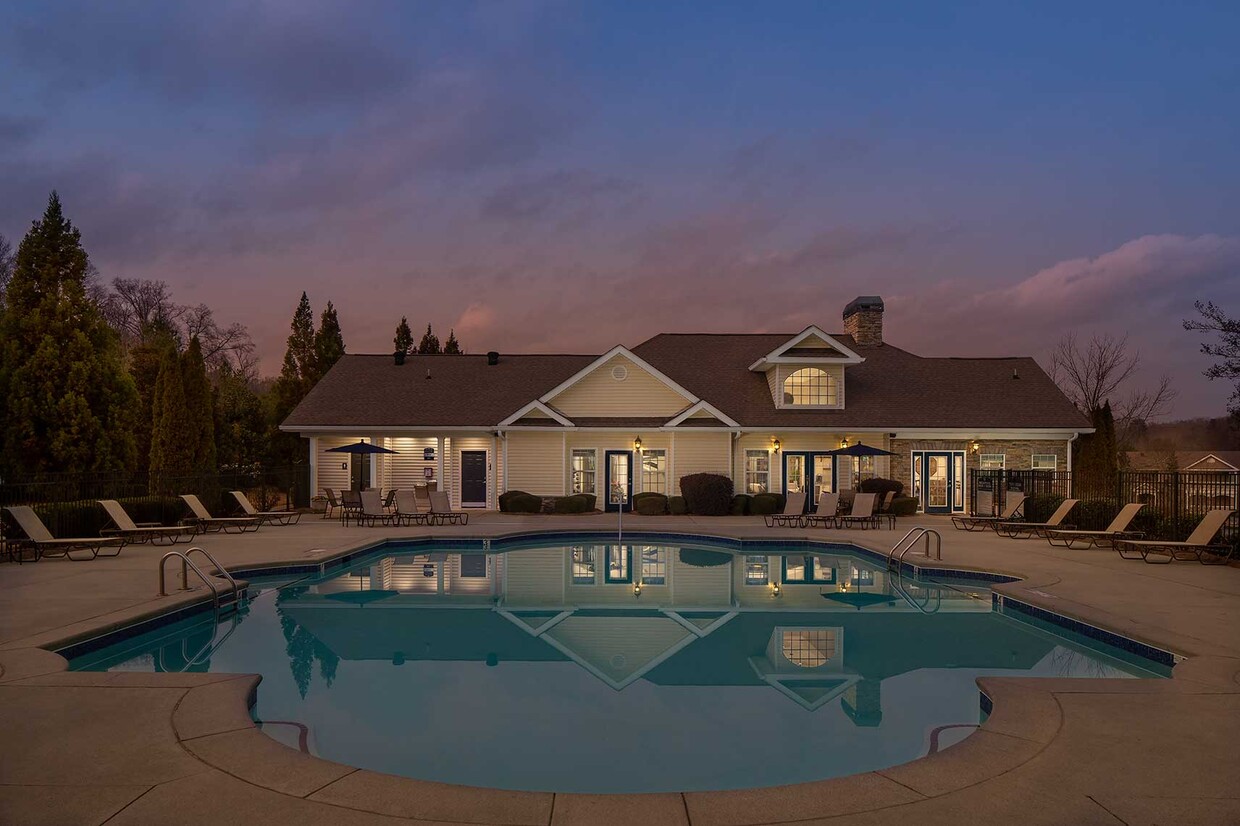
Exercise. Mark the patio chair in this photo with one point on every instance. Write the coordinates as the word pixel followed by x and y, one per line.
pixel 883 509
pixel 152 532
pixel 371 510
pixel 825 515
pixel 407 511
pixel 350 504
pixel 389 501
pixel 973 523
pixel 268 517
pixel 1195 547
pixel 1118 529
pixel 333 504
pixel 1024 530
pixel 44 544
pixel 441 510
pixel 202 517
pixel 862 512
pixel 793 513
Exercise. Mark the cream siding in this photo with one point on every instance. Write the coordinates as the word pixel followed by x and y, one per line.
pixel 328 465
pixel 536 462
pixel 406 469
pixel 639 394
pixel 798 442
pixel 700 453
pixel 603 441
pixel 453 470
pixel 534 577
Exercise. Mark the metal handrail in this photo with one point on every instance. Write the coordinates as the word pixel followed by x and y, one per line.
pixel 897 585
pixel 186 563
pixel 213 561
pixel 907 542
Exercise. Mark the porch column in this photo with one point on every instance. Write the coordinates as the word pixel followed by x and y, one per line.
pixel 314 465
pixel 439 480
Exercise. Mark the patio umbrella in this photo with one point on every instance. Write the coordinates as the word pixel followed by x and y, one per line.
pixel 700 558
pixel 860 450
pixel 360 448
pixel 859 599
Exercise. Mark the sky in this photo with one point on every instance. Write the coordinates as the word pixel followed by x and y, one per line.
pixel 567 176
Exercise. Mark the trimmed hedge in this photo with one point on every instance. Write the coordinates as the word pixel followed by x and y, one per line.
pixel 576 503
pixel 740 505
pixel 707 494
pixel 518 501
pixel 880 486
pixel 676 506
pixel 904 506
pixel 650 504
pixel 764 504
pixel 1040 506
pixel 590 499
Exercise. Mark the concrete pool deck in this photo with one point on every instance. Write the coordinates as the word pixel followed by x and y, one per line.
pixel 124 748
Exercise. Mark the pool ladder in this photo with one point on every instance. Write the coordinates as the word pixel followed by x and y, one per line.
pixel 909 541
pixel 187 564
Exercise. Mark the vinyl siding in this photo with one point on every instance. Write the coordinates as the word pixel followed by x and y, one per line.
pixel 535 577
pixel 452 466
pixel 619 646
pixel 795 442
pixel 406 468
pixel 328 465
pixel 639 394
pixel 697 587
pixel 536 462
pixel 700 453
pixel 604 441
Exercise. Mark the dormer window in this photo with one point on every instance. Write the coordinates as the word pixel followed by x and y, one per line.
pixel 810 386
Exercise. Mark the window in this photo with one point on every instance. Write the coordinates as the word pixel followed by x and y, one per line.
pixel 757 570
pixel 809 648
pixel 582 565
pixel 583 470
pixel 757 471
pixel 861 576
pixel 863 468
pixel 806 570
pixel 810 386
pixel 619 567
pixel 654 565
pixel 991 461
pixel 654 471
pixel 1044 461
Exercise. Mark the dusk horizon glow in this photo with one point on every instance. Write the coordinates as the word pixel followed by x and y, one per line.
pixel 551 177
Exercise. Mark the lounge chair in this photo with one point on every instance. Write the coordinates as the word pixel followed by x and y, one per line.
pixel 407 512
pixel 44 544
pixel 794 507
pixel 371 511
pixel 1024 530
pixel 202 517
pixel 862 512
pixel 825 514
pixel 1195 547
pixel 268 517
pixel 1118 529
pixel 973 523
pixel 350 504
pixel 883 509
pixel 333 504
pixel 441 510
pixel 389 501
pixel 152 532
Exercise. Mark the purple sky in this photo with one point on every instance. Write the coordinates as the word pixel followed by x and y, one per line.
pixel 567 176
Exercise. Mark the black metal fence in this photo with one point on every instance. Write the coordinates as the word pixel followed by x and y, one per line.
pixel 68 502
pixel 1174 501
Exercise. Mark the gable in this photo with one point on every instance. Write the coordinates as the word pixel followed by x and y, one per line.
pixel 619 386
pixel 809 346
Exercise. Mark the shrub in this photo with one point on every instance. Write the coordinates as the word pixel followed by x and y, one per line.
pixel 880 486
pixel 740 505
pixel 1040 506
pixel 518 501
pixel 763 504
pixel 707 494
pixel 903 506
pixel 676 506
pixel 590 499
pixel 1093 514
pixel 505 499
pixel 650 504
pixel 575 503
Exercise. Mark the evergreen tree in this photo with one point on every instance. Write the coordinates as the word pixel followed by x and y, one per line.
pixel 452 347
pixel 145 359
pixel 404 337
pixel 172 447
pixel 429 345
pixel 1097 463
pixel 328 345
pixel 69 404
pixel 200 417
pixel 239 421
pixel 293 384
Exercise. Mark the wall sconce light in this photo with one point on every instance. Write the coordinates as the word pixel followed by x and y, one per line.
pixel 637 589
pixel 775 589
pixel 775 443
pixel 976 446
pixel 844 442
pixel 637 444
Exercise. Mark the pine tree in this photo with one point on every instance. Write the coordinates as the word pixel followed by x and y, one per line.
pixel 200 417
pixel 404 337
pixel 293 384
pixel 328 345
pixel 1096 464
pixel 68 403
pixel 172 448
pixel 452 347
pixel 239 421
pixel 429 345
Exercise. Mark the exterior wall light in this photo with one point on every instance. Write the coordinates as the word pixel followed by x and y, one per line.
pixel 976 446
pixel 775 443
pixel 844 442
pixel 775 589
pixel 637 444
pixel 637 589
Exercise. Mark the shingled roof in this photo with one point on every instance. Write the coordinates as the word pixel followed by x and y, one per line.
pixel 891 389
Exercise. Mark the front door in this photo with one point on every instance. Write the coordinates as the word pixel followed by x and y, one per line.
pixel 473 478
pixel 809 473
pixel 359 470
pixel 618 480
pixel 934 477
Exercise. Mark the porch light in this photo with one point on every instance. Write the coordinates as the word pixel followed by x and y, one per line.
pixel 775 443
pixel 637 444
pixel 774 589
pixel 637 589
pixel 844 442
pixel 976 446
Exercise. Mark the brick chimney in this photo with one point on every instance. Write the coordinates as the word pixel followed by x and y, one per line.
pixel 863 320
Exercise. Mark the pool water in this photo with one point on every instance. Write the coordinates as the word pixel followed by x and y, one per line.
pixel 618 668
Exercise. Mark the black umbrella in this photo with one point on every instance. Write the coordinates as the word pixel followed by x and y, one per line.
pixel 859 599
pixel 700 558
pixel 359 448
pixel 861 450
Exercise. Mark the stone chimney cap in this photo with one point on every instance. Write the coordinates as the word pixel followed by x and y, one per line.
pixel 863 302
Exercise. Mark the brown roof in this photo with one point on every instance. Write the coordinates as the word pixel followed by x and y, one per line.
pixel 1160 459
pixel 892 388
pixel 462 390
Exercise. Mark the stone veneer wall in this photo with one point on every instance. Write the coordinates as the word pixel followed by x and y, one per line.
pixel 866 327
pixel 1019 453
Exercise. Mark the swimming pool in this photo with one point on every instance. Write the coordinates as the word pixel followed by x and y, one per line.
pixel 574 665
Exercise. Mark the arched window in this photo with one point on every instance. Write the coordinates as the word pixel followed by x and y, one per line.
pixel 810 385
pixel 809 648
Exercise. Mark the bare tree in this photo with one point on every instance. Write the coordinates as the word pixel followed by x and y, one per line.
pixel 1226 349
pixel 229 345
pixel 1102 370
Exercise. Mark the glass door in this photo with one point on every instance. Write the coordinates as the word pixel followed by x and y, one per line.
pixel 619 479
pixel 824 476
pixel 795 473
pixel 938 482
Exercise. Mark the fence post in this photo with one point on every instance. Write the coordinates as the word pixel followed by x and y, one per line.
pixel 1175 504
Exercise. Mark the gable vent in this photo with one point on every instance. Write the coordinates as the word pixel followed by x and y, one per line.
pixel 619 372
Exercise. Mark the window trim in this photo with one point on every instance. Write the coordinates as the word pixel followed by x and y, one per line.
pixel 1033 461
pixel 753 559
pixel 982 457
pixel 831 383
pixel 628 566
pixel 642 465
pixel 572 471
pixel 745 469
pixel 812 565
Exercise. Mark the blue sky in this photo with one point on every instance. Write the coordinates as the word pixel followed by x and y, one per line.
pixel 567 176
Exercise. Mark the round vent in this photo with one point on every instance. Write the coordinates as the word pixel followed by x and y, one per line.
pixel 618 661
pixel 619 372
